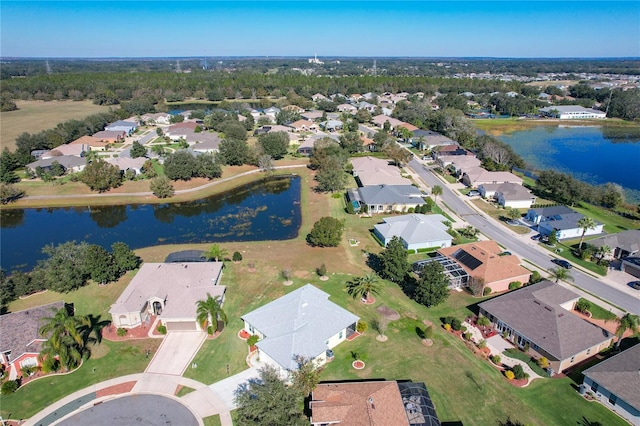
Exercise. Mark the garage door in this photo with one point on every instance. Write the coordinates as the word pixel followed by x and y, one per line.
pixel 181 326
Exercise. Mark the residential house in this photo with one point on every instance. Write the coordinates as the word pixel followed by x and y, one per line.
pixel 306 147
pixel 380 199
pixel 122 126
pixel 110 136
pixel 479 263
pixel 20 340
pixel 478 176
pixel 623 244
pixel 410 127
pixel 572 112
pixel 126 163
pixel 376 171
pixel 303 126
pixel 77 150
pixel 453 149
pixel 38 153
pixel 561 220
pixel 615 383
pixel 427 140
pixel 70 163
pixel 539 318
pixel 318 97
pixel 91 142
pixel 631 265
pixel 366 106
pixel 157 118
pixel 458 164
pixel 331 125
pixel 272 113
pixel 380 119
pixel 347 108
pixel 301 323
pixel 312 115
pixel 386 111
pixel 293 108
pixel 368 144
pixel 372 403
pixel 207 147
pixel 170 291
pixel 416 231
pixel 508 194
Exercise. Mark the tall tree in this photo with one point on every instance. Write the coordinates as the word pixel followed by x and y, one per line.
pixel 306 377
pixel 326 232
pixel 435 191
pixel 209 311
pixel 234 152
pixel 627 322
pixel 124 258
pixel 64 269
pixel 90 328
pixel 274 144
pixel 180 165
pixel 363 287
pixel 101 176
pixel 137 150
pixel 64 341
pixel 585 223
pixel 395 264
pixel 100 265
pixel 433 286
pixel 162 187
pixel 268 401
pixel 558 273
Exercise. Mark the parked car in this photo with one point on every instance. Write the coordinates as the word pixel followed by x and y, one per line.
pixel 562 263
pixel 635 285
pixel 536 237
pixel 473 193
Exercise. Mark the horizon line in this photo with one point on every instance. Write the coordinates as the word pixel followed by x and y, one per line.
pixel 326 56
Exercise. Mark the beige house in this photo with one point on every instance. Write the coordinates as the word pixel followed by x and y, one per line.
pixel 94 144
pixel 170 291
pixel 477 176
pixel 377 171
pixel 539 318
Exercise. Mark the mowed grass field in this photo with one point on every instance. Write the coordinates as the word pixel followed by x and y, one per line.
pixel 35 116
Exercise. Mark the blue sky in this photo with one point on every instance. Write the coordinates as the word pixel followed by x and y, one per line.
pixel 302 28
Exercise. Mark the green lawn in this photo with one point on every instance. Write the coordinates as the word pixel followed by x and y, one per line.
pixel 598 312
pixel 498 215
pixel 564 250
pixel 111 360
pixel 612 222
pixel 517 354
pixel 212 420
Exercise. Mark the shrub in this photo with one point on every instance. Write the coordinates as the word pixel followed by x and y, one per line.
pixel 487 291
pixel 237 256
pixel 162 329
pixel 543 363
pixel 447 327
pixel 467 336
pixel 496 359
pixel 122 332
pixel 583 306
pixel 514 284
pixel 8 387
pixel 209 330
pixel 482 344
pixel 519 373
pixel 428 332
pixel 28 371
pixel 456 325
pixel 252 340
pixel 361 327
pixel 322 270
pixel 535 277
pixel 463 329
pixel 509 375
pixel 484 322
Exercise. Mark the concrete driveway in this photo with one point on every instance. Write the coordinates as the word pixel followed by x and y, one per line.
pixel 176 352
pixel 225 389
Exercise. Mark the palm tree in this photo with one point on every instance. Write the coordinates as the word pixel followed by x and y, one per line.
pixel 64 339
pixel 602 252
pixel 435 191
pixel 364 286
pixel 627 322
pixel 210 310
pixel 585 223
pixel 90 328
pixel 216 252
pixel 559 273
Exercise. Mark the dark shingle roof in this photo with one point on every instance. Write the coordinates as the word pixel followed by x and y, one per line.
pixel 620 375
pixel 391 194
pixel 19 329
pixel 535 312
pixel 628 240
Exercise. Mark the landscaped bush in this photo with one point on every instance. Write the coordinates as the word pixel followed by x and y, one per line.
pixel 237 256
pixel 482 344
pixel 322 270
pixel 467 336
pixel 361 327
pixel 496 359
pixel 514 285
pixel 252 340
pixel 535 277
pixel 28 371
pixel 447 327
pixel 8 387
pixel 532 363
pixel 543 363
pixel 509 375
pixel 123 331
pixel 484 322
pixel 519 373
pixel 428 332
pixel 463 329
pixel 583 306
pixel 209 330
pixel 486 291
pixel 162 329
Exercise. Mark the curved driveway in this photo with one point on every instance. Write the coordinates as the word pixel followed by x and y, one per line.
pixel 524 249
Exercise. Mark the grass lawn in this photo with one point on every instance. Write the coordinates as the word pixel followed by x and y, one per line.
pixel 498 214
pixel 598 312
pixel 212 420
pixel 35 116
pixel 517 354
pixel 110 360
pixel 566 252
pixel 613 222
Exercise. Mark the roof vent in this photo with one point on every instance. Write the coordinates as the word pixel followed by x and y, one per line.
pixel 305 304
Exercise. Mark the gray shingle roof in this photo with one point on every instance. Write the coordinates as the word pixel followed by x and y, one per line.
pixel 535 312
pixel 391 194
pixel 298 323
pixel 620 375
pixel 19 330
pixel 627 240
pixel 415 228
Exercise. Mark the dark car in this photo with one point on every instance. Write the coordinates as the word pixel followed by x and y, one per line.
pixel 635 285
pixel 562 263
pixel 536 237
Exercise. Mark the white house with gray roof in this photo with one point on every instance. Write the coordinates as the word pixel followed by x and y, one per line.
pixel 508 194
pixel 562 220
pixel 615 382
pixel 170 291
pixel 301 323
pixel 539 318
pixel 389 198
pixel 572 112
pixel 416 231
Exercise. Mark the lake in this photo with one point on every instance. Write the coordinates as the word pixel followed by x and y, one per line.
pixel 264 210
pixel 596 155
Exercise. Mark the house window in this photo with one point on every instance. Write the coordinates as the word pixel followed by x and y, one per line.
pixel 29 362
pixel 340 335
pixel 613 399
pixel 594 387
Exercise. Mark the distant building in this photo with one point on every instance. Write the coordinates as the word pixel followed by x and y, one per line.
pixel 416 231
pixel 562 220
pixel 572 112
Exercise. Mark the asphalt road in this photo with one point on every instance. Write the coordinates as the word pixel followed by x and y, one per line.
pixel 525 250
